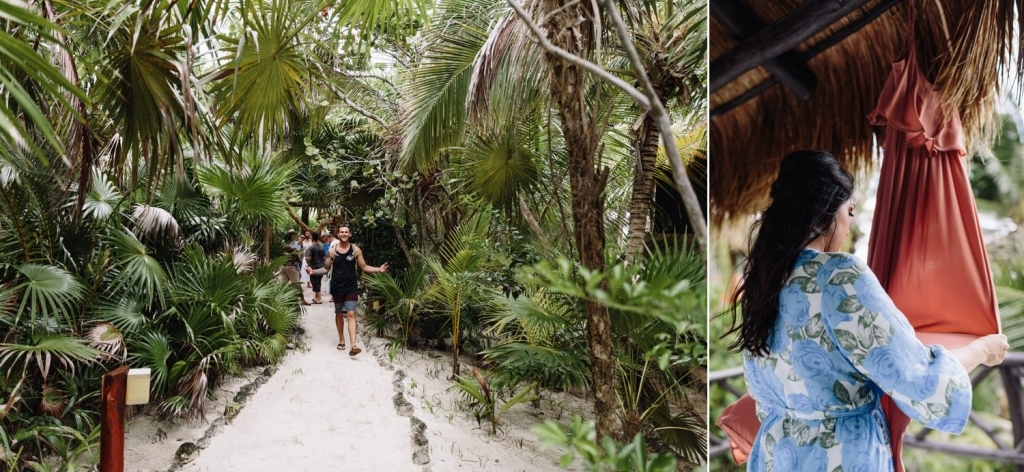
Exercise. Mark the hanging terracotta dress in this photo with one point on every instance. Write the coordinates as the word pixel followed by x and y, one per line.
pixel 926 246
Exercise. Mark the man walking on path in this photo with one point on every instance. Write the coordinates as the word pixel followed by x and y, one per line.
pixel 342 263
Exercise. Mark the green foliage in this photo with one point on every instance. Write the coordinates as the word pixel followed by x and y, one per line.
pixel 403 304
pixel 23 64
pixel 128 292
pixel 190 127
pixel 580 440
pixel 265 77
pixel 484 401
pixel 659 325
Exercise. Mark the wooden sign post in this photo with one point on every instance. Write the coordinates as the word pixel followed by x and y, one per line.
pixel 112 400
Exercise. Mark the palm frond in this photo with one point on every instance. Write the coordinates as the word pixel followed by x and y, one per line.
pixel 438 87
pixel 138 272
pixel 43 350
pixel 152 349
pixel 102 199
pixel 242 258
pixel 141 86
pixel 48 292
pixel 265 77
pixel 155 221
pixel 499 165
pixel 125 314
pixel 107 338
pixel 23 61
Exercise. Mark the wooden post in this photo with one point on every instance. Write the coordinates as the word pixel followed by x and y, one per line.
pixel 112 397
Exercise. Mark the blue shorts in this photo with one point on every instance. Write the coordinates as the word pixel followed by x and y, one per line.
pixel 345 303
pixel 345 307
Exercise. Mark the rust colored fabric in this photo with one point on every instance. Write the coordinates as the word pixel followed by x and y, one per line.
pixel 926 246
pixel 740 423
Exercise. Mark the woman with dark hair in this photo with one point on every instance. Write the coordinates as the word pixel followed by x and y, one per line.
pixel 822 341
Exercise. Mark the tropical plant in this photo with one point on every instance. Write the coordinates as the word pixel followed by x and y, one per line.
pixel 458 286
pixel 662 322
pixel 484 398
pixel 580 440
pixel 403 301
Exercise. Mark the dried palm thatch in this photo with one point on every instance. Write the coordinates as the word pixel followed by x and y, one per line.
pixel 963 46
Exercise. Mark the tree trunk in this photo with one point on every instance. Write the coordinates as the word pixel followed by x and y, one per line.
pixel 524 209
pixel 646 145
pixel 268 234
pixel 403 244
pixel 569 28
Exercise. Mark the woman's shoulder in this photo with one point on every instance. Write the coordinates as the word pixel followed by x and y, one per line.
pixel 840 258
pixel 824 264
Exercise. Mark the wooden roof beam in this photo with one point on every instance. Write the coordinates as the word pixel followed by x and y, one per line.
pixel 855 26
pixel 802 23
pixel 788 68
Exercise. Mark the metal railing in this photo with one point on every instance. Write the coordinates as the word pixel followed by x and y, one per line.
pixel 1010 371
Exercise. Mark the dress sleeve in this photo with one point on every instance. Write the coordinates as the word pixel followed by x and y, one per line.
pixel 926 382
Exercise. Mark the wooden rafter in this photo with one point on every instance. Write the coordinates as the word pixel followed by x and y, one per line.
pixel 807 20
pixel 818 48
pixel 788 68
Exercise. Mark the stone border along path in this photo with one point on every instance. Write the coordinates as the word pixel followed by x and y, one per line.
pixel 420 444
pixel 319 409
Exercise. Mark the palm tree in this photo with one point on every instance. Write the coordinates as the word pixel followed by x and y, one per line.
pixel 476 79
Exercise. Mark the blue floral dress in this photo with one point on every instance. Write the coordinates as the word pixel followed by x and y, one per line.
pixel 837 345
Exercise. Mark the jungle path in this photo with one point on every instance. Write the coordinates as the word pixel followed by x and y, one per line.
pixel 323 410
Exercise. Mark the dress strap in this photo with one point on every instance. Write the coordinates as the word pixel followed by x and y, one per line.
pixel 909 48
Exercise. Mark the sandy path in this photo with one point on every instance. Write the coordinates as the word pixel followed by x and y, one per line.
pixel 323 410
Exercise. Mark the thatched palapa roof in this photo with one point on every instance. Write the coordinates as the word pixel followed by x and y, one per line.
pixel 851 60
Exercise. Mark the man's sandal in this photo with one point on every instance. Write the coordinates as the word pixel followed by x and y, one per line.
pixel 355 350
pixel 341 346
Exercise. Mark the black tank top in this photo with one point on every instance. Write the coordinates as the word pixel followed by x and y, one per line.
pixel 343 272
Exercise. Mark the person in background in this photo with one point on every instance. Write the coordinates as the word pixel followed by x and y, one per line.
pixel 290 269
pixel 314 259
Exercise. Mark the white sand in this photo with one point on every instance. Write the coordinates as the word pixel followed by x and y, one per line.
pixel 324 410
pixel 458 443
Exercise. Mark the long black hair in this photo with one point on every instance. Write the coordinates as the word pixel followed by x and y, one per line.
pixel 811 188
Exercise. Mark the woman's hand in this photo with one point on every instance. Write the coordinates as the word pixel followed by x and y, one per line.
pixel 993 348
pixel 989 350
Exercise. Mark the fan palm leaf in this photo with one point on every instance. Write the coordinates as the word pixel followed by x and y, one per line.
pixel 141 86
pixel 43 350
pixel 155 221
pixel 138 272
pixel 126 315
pixel 103 199
pixel 253 193
pixel 499 165
pixel 47 291
pixel 152 349
pixel 266 74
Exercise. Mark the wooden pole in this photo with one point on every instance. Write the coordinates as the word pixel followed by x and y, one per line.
pixel 112 397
